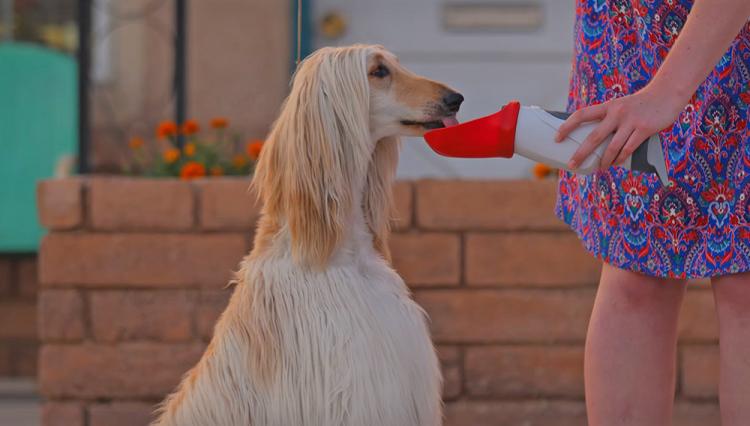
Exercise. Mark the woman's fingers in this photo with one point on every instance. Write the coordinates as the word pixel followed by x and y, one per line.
pixel 634 141
pixel 590 113
pixel 593 140
pixel 615 146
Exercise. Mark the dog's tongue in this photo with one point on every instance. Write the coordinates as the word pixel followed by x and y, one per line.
pixel 450 121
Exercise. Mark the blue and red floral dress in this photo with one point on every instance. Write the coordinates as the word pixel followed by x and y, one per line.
pixel 698 225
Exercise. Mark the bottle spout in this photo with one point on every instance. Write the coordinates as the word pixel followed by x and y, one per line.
pixel 486 137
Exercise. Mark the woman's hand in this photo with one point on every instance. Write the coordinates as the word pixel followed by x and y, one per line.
pixel 632 119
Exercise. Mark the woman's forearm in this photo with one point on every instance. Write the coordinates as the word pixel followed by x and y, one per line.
pixel 710 28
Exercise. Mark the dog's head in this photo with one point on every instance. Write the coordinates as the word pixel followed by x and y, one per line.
pixel 403 103
pixel 334 146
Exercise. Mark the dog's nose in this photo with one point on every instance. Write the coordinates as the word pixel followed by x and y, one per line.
pixel 453 101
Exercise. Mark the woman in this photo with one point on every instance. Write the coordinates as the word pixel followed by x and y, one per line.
pixel 681 67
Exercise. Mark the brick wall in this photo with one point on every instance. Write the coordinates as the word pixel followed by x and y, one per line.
pixel 133 275
pixel 18 341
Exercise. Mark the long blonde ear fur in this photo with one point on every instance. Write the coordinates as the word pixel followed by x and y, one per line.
pixel 317 150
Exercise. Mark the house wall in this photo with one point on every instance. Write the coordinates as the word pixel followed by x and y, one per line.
pixel 489 64
pixel 238 68
pixel 133 276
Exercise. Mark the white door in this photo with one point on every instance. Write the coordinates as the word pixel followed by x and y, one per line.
pixel 491 51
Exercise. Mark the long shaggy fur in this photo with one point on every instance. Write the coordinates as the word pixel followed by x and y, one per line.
pixel 320 330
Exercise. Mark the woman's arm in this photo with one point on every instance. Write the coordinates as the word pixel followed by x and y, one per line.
pixel 710 28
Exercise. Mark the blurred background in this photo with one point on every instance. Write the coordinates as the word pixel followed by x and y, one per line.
pixel 79 79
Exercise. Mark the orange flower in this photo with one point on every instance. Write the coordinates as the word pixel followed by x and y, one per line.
pixel 136 143
pixel 190 127
pixel 239 161
pixel 171 155
pixel 189 149
pixel 192 170
pixel 217 171
pixel 166 129
pixel 219 123
pixel 542 170
pixel 254 148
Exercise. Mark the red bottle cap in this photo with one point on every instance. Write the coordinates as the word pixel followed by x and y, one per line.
pixel 490 136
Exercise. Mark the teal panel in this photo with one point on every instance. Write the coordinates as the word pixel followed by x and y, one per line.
pixel 38 126
pixel 305 35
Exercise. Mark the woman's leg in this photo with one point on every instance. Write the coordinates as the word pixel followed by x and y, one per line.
pixel 732 295
pixel 631 349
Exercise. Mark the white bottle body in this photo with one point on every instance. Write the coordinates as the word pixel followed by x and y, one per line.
pixel 535 139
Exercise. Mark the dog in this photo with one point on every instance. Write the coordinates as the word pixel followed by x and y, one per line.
pixel 320 329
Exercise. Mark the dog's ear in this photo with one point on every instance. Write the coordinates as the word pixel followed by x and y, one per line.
pixel 378 199
pixel 316 151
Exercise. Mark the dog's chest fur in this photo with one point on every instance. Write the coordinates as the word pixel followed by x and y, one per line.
pixel 355 350
pixel 344 346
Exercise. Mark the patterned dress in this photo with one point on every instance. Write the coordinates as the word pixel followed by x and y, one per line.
pixel 698 225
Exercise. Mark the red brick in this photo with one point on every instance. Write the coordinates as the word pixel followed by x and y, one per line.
pixel 61 314
pixel 529 259
pixel 140 259
pixel 700 371
pixel 487 205
pixel 63 414
pixel 698 317
pixel 403 194
pixel 524 371
pixel 25 359
pixel 18 320
pixel 26 277
pixel 6 361
pixel 516 413
pixel 427 259
pixel 450 363
pixel 696 414
pixel 60 203
pixel 163 315
pixel 130 370
pixel 121 414
pixel 6 277
pixel 227 203
pixel 211 304
pixel 466 316
pixel 140 204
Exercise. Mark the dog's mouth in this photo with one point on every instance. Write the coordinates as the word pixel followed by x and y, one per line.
pixel 433 124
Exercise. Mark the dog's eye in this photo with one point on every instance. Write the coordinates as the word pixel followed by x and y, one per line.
pixel 380 72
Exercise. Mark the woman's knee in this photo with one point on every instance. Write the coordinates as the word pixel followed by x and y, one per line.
pixel 634 291
pixel 732 294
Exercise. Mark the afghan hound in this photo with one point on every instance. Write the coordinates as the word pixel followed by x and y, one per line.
pixel 320 330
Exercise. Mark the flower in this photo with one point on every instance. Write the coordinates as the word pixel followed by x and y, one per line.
pixel 171 155
pixel 190 127
pixel 219 123
pixel 239 161
pixel 253 149
pixel 542 170
pixel 217 171
pixel 166 129
pixel 192 170
pixel 136 143
pixel 189 149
